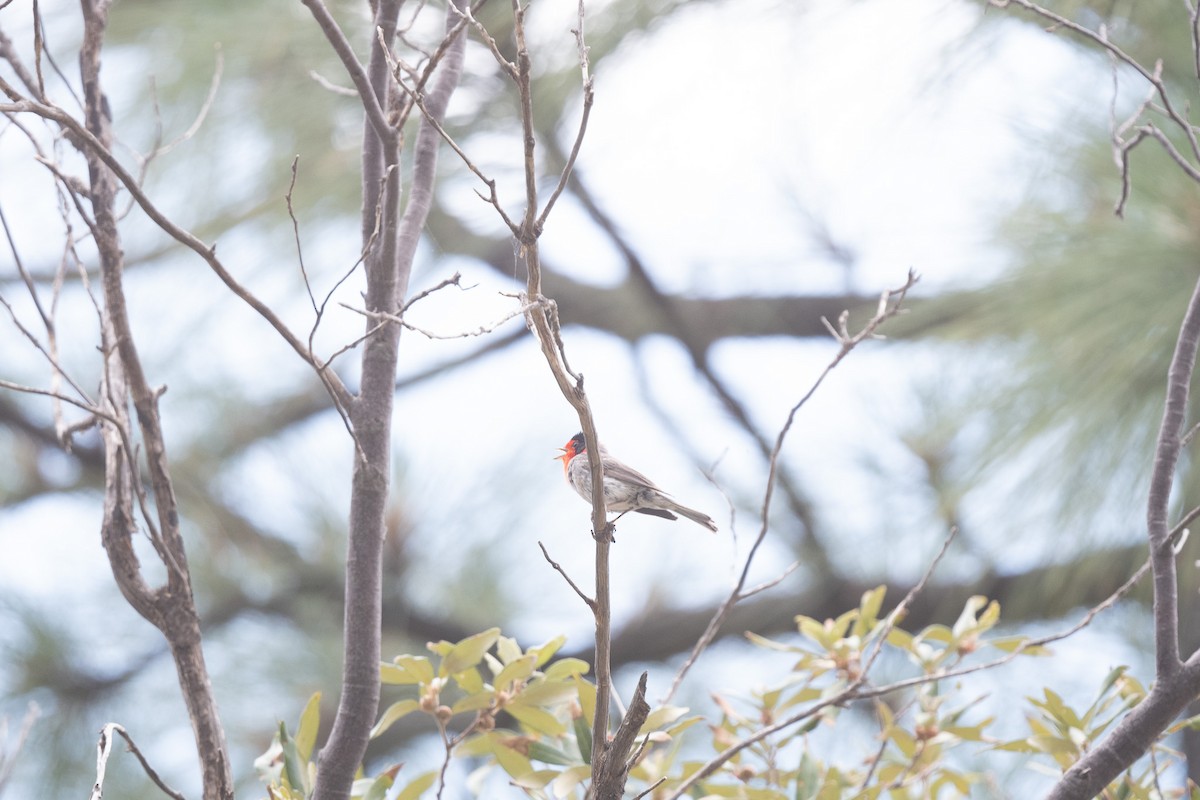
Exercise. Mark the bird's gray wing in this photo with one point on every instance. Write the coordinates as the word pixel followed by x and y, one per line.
pixel 618 471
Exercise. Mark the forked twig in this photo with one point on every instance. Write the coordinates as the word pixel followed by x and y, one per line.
pixel 104 750
pixel 890 304
pixel 558 568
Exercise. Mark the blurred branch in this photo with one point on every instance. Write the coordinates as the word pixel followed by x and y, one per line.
pixel 889 306
pixel 10 752
pixel 687 333
pixel 1042 593
pixel 853 689
pixel 1123 147
pixel 94 147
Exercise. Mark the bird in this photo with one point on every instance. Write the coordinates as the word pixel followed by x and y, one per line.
pixel 625 489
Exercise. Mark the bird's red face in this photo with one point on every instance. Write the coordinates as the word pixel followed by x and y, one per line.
pixel 570 450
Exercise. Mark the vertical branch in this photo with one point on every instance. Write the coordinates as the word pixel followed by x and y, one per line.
pixel 390 243
pixel 170 608
pixel 528 232
pixel 425 150
pixel 1166 457
pixel 370 415
pixel 1175 684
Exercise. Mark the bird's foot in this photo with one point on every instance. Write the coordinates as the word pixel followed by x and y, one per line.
pixel 609 530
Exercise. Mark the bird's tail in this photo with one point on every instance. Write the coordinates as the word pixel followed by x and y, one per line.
pixel 695 516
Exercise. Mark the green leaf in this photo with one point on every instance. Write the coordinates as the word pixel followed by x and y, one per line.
pixel 1052 744
pixel 469 680
pixel 539 751
pixel 770 644
pixel 1191 723
pixel 1009 644
pixel 1018 746
pixel 681 726
pixel 566 668
pixel 467 653
pixel 511 761
pixel 394 712
pixel 990 616
pixel 1058 711
pixel 417 786
pixel 379 787
pixel 815 631
pixel 901 639
pixel 808 778
pixel 937 633
pixel 966 620
pixel 904 740
pixel 960 782
pixel 583 737
pixel 970 733
pixel 293 767
pixel 548 693
pixel 569 779
pixel 473 702
pixel 1111 678
pixel 537 719
pixel 842 624
pixel 805 694
pixel 516 670
pixel 868 610
pixel 535 780
pixel 310 721
pixel 548 649
pixel 508 650
pixel 406 670
pixel 661 717
pixel 586 691
pixel 360 787
pixel 474 746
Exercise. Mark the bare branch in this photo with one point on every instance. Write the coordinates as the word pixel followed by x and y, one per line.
pixel 10 753
pixel 1154 78
pixel 558 568
pixel 207 252
pixel 300 250
pixel 354 68
pixel 492 197
pixel 104 749
pixel 901 609
pixel 480 331
pixel 588 98
pixel 889 305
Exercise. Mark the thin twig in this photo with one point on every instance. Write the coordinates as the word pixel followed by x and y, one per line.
pixel 558 568
pixel 354 68
pixel 492 197
pixel 206 252
pixel 104 749
pixel 588 98
pixel 650 789
pixel 858 690
pixel 889 305
pixel 1154 78
pixel 901 610
pixel 300 250
pixel 453 280
pixel 482 330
